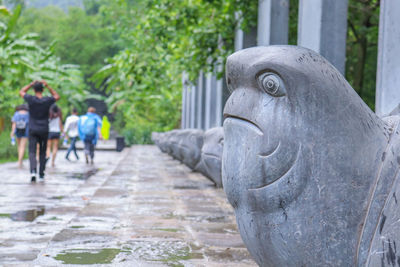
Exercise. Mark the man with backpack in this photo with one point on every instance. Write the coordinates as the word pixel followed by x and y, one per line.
pixel 39 106
pixel 89 127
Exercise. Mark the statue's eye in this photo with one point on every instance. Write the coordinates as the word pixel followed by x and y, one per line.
pixel 271 84
pixel 221 141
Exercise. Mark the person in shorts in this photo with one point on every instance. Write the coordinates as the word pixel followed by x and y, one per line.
pixel 39 107
pixel 55 129
pixel 20 130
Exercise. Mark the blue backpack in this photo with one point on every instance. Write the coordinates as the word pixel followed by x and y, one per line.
pixel 89 126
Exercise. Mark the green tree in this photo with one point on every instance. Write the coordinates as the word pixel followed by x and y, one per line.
pixel 363 21
pixel 23 60
pixel 163 39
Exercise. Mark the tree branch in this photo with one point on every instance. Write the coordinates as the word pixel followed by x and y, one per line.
pixel 353 29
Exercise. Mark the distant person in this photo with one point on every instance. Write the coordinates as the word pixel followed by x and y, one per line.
pixel 89 127
pixel 39 107
pixel 71 132
pixel 55 129
pixel 20 129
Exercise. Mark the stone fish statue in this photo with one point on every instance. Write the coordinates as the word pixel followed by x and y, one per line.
pixel 311 171
pixel 190 144
pixel 164 141
pixel 211 155
pixel 175 143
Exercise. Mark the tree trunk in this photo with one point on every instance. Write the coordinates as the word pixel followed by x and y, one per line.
pixel 360 65
pixel 1 124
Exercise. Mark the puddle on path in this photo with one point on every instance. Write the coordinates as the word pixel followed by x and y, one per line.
pixel 172 253
pixel 82 175
pixel 25 215
pixel 89 256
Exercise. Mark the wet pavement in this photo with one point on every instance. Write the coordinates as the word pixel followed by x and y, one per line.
pixel 135 208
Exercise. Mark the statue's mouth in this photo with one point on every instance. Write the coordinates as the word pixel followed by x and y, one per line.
pixel 245 123
pixel 212 156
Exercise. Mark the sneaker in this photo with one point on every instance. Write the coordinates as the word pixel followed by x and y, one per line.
pixel 87 159
pixel 41 177
pixel 67 158
pixel 33 177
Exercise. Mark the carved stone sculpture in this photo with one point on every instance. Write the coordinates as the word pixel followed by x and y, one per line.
pixel 165 142
pixel 190 144
pixel 175 143
pixel 311 171
pixel 211 155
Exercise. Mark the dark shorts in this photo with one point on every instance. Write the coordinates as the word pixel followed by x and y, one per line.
pixel 54 135
pixel 21 134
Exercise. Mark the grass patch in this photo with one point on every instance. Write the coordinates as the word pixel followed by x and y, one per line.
pixel 8 152
pixel 168 230
pixel 57 197
pixel 83 256
pixel 54 219
pixel 77 226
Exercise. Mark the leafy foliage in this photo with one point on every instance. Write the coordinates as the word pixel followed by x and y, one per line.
pixel 167 39
pixel 362 47
pixel 78 38
pixel 23 60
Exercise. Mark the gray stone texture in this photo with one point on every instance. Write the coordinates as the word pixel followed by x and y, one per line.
pixel 310 170
pixel 183 145
pixel 388 80
pixel 211 154
pixel 322 27
pixel 273 22
pixel 190 144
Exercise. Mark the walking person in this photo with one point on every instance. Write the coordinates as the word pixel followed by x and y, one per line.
pixel 39 107
pixel 89 127
pixel 71 132
pixel 55 129
pixel 20 129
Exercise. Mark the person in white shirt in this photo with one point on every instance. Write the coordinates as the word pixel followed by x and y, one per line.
pixel 71 132
pixel 55 129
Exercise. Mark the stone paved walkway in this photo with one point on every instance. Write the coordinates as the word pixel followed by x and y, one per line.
pixel 135 208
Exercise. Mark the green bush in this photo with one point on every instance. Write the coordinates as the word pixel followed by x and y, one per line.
pixel 7 151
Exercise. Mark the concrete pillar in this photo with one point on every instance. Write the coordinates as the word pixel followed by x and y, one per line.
pixel 388 79
pixel 250 38
pixel 213 101
pixel 219 99
pixel 187 109
pixel 208 99
pixel 200 96
pixel 322 27
pixel 193 106
pixel 184 101
pixel 183 116
pixel 239 34
pixel 273 22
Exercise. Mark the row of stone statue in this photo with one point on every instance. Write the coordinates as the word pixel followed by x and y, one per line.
pixel 312 173
pixel 200 151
